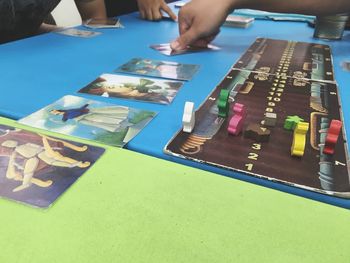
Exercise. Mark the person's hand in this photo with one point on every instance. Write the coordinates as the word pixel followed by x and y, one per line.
pixel 200 21
pixel 151 9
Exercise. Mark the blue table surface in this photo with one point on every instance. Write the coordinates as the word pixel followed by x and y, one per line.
pixel 39 70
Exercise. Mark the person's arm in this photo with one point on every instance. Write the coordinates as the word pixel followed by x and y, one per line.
pixel 91 9
pixel 307 7
pixel 152 9
pixel 200 20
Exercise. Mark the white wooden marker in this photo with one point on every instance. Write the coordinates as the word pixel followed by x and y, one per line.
pixel 188 118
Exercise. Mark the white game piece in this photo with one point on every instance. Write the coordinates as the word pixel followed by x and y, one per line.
pixel 188 119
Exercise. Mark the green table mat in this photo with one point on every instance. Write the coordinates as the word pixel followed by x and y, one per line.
pixel 134 208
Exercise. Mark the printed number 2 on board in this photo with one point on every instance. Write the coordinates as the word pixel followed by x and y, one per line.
pixel 253 156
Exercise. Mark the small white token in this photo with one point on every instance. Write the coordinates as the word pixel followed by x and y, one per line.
pixel 188 119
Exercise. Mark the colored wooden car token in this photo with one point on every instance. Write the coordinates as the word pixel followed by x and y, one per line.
pixel 236 122
pixel 299 139
pixel 223 104
pixel 257 133
pixel 332 136
pixel 291 122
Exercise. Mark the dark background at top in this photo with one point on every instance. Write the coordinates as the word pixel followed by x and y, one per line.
pixel 120 7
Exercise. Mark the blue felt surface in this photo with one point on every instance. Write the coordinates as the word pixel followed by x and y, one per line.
pixel 37 71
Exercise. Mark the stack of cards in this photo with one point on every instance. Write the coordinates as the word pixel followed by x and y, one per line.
pixel 91 24
pixel 103 23
pixel 238 21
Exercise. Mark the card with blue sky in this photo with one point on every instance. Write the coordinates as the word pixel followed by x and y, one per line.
pixel 89 119
pixel 159 68
pixel 135 88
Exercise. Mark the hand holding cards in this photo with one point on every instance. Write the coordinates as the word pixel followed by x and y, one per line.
pixel 166 49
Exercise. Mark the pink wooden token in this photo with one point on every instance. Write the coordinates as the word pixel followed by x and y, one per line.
pixel 235 125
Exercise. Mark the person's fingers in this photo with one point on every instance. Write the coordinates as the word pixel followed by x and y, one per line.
pixel 187 34
pixel 204 42
pixel 168 10
pixel 175 45
pixel 191 39
pixel 149 15
pixel 142 14
pixel 184 22
pixel 212 36
pixel 200 43
pixel 184 40
pixel 156 14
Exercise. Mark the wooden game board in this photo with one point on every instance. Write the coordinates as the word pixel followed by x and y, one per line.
pixel 286 78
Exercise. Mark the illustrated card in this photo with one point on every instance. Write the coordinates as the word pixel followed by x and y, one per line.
pixel 346 65
pixel 136 88
pixel 158 68
pixel 103 23
pixel 93 120
pixel 36 169
pixel 293 59
pixel 238 21
pixel 165 49
pixel 78 33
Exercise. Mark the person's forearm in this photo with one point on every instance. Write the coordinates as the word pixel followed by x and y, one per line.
pixel 91 9
pixel 308 7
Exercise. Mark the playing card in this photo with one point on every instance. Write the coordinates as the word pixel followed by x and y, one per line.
pixel 165 15
pixel 93 120
pixel 346 65
pixel 157 68
pixel 165 49
pixel 238 21
pixel 103 23
pixel 134 87
pixel 36 169
pixel 78 33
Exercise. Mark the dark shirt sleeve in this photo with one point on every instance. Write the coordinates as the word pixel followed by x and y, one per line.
pixel 21 18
